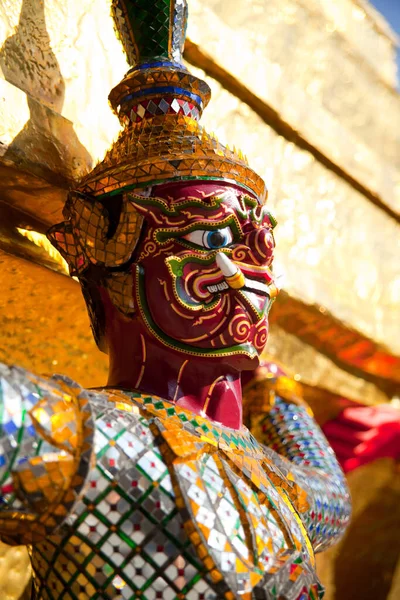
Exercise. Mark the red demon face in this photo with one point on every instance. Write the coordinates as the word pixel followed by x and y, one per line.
pixel 190 298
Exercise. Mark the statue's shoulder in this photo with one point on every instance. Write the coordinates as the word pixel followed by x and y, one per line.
pixel 54 430
pixel 32 400
pixel 19 385
pixel 121 417
pixel 19 388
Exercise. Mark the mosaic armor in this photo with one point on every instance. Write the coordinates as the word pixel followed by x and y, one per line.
pixel 123 495
pixel 152 487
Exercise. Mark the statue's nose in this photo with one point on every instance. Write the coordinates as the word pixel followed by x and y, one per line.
pixel 261 243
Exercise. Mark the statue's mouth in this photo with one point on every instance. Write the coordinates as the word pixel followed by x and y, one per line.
pixel 251 285
pixel 201 285
pixel 255 296
pixel 240 348
pixel 255 281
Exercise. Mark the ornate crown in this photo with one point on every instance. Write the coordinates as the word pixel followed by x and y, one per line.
pixel 159 104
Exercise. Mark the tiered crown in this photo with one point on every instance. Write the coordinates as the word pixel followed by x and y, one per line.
pixel 159 103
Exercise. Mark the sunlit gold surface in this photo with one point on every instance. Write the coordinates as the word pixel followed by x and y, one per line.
pixel 43 323
pixel 316 370
pixel 50 133
pixel 69 47
pixel 310 51
pixel 15 571
pixel 34 132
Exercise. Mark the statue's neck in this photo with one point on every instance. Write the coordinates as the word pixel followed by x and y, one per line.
pixel 206 387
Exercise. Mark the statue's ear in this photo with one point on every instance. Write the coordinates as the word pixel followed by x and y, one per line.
pixel 89 231
pixel 62 238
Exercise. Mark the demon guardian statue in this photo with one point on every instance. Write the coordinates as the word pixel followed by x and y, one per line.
pixel 152 487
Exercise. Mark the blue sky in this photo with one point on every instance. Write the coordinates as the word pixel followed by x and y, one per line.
pixel 391 11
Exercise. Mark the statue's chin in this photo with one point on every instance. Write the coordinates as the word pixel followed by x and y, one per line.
pixel 243 362
pixel 240 357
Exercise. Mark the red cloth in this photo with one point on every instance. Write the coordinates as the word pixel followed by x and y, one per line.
pixel 361 434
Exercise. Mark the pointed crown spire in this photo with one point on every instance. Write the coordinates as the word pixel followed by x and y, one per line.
pixel 159 103
pixel 153 35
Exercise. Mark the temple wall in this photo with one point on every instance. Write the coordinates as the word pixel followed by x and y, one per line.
pixel 66 57
pixel 329 58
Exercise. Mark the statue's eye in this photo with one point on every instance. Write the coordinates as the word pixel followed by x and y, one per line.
pixel 212 239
